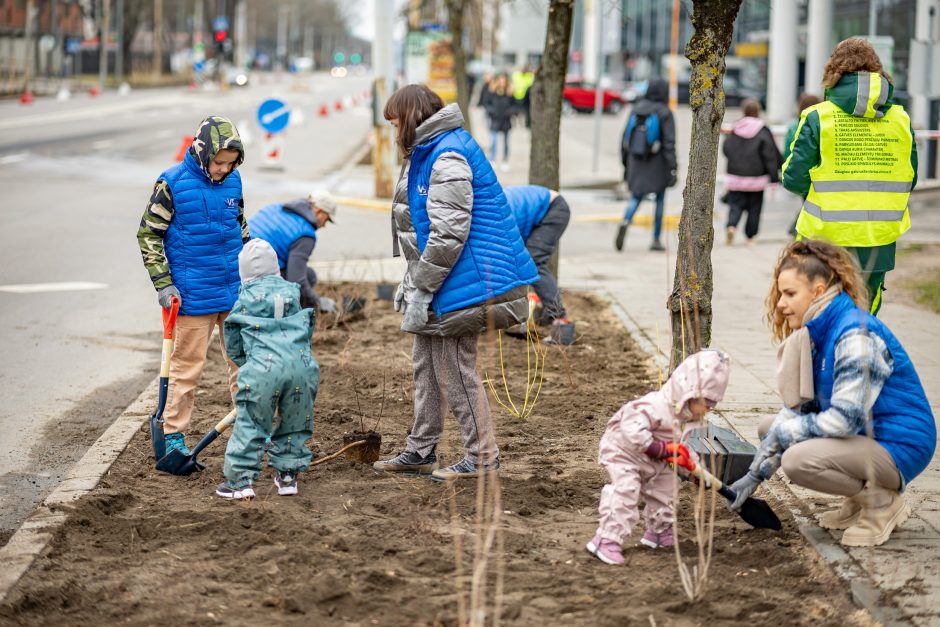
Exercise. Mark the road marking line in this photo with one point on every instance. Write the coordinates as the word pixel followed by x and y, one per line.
pixel 37 288
pixel 14 158
pixel 101 144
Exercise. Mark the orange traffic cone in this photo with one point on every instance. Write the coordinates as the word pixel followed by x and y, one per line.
pixel 339 105
pixel 187 142
pixel 324 111
pixel 26 97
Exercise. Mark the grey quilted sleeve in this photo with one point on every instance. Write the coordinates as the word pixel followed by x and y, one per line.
pixel 450 203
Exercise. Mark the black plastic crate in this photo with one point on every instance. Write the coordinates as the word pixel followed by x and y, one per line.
pixel 722 449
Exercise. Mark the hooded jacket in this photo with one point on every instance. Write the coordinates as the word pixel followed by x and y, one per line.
pixel 194 227
pixel 457 233
pixel 851 97
pixel 653 175
pixel 753 158
pixel 267 331
pixel 663 415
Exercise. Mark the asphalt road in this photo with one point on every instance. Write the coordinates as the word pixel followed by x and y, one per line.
pixel 76 177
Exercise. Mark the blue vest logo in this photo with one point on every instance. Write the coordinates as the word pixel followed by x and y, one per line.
pixel 230 202
pixel 423 190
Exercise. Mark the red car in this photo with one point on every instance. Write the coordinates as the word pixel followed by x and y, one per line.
pixel 579 96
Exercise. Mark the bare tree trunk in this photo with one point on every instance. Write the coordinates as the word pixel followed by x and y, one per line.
pixel 455 11
pixel 690 303
pixel 545 95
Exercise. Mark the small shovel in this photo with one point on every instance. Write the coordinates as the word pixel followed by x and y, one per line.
pixel 176 463
pixel 156 420
pixel 755 512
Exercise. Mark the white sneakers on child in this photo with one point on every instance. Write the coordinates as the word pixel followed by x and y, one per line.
pixel 286 482
pixel 228 492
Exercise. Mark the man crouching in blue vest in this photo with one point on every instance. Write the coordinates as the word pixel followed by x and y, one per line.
pixel 291 229
pixel 468 271
pixel 190 236
pixel 542 216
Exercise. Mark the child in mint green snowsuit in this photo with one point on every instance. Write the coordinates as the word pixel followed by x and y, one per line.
pixel 268 335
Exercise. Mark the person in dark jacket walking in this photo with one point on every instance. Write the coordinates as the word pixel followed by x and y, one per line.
pixel 291 229
pixel 753 164
pixel 648 152
pixel 500 106
pixel 542 216
pixel 468 272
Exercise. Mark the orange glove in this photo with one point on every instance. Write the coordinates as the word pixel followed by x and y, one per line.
pixel 679 455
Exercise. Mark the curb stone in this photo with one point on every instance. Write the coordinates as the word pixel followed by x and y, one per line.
pixel 865 593
pixel 34 535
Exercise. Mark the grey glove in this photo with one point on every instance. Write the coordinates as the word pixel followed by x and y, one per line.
pixel 326 305
pixel 165 296
pixel 743 489
pixel 399 301
pixel 416 311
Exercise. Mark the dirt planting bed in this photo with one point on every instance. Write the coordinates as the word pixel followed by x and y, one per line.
pixel 356 547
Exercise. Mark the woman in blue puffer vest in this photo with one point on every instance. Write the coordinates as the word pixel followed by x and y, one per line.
pixel 856 421
pixel 468 271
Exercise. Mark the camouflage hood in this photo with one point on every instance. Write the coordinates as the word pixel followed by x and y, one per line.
pixel 214 134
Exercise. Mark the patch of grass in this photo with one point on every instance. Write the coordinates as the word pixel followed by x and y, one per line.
pixel 926 289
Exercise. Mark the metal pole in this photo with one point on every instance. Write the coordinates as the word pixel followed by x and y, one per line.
pixel 119 59
pixel 674 59
pixel 30 45
pixel 157 38
pixel 241 34
pixel 598 89
pixel 198 25
pixel 282 36
pixel 872 18
pixel 383 60
pixel 54 29
pixel 103 41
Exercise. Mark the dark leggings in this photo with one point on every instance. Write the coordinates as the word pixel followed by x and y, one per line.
pixel 745 202
pixel 542 244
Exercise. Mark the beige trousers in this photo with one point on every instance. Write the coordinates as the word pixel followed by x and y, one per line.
pixel 839 466
pixel 189 357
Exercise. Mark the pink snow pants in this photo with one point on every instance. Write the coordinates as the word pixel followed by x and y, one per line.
pixel 633 475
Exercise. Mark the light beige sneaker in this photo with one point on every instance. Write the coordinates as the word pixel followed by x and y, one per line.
pixel 841 518
pixel 729 236
pixel 881 511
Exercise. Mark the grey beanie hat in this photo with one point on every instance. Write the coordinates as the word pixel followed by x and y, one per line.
pixel 257 259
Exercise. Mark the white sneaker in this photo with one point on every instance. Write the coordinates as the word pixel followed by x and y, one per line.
pixel 228 492
pixel 286 482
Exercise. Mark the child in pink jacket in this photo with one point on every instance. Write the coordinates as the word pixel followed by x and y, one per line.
pixel 637 446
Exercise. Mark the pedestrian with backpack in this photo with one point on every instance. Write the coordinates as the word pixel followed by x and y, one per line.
pixel 753 164
pixel 648 152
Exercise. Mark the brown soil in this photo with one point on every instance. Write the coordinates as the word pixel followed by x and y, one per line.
pixel 357 547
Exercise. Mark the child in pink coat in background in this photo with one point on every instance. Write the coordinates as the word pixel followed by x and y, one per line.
pixel 637 446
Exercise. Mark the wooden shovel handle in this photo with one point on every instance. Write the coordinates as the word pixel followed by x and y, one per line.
pixel 337 453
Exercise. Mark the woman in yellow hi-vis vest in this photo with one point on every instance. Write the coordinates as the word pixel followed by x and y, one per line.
pixel 854 162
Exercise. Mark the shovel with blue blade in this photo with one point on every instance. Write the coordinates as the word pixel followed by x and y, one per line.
pixel 177 463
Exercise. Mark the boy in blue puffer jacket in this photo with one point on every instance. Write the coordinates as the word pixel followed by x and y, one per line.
pixel 268 336
pixel 190 236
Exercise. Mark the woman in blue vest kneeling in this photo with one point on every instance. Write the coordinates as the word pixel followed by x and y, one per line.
pixel 856 421
pixel 468 271
pixel 291 229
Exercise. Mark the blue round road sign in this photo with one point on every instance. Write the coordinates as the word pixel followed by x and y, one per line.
pixel 273 115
